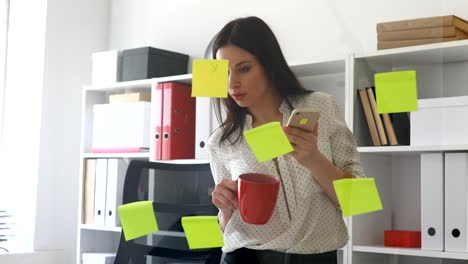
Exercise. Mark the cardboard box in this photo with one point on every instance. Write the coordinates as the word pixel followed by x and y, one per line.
pixel 129 97
pixel 440 121
pixel 121 127
pixel 106 67
pixel 402 238
pixel 149 62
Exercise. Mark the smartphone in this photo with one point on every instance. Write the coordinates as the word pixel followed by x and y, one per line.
pixel 303 118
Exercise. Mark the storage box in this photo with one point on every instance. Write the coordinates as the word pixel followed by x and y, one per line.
pixel 97 258
pixel 129 97
pixel 401 238
pixel 121 127
pixel 149 62
pixel 440 121
pixel 106 67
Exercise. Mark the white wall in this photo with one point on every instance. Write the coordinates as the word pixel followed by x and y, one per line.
pixel 307 30
pixel 75 29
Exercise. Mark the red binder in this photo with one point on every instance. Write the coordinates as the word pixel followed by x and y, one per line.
pixel 176 126
pixel 158 121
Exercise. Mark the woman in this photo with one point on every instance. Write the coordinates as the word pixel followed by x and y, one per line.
pixel 309 228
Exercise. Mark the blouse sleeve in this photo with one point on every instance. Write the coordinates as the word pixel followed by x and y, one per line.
pixel 343 144
pixel 218 168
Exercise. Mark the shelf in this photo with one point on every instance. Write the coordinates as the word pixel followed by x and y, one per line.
pixel 318 68
pixel 185 78
pixel 137 155
pixel 184 161
pixel 138 84
pixel 119 229
pixel 410 252
pixel 101 228
pixel 412 149
pixel 437 53
pixel 142 155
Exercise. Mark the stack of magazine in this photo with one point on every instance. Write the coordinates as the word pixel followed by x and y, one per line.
pixel 421 31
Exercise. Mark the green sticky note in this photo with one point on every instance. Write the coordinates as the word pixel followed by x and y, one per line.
pixel 210 78
pixel 137 219
pixel 357 196
pixel 268 141
pixel 202 232
pixel 396 92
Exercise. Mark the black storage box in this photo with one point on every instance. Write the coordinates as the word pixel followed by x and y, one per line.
pixel 149 62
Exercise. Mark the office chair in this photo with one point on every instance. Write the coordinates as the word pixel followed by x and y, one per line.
pixel 177 190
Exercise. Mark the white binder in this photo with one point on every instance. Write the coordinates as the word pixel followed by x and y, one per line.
pixel 203 126
pixel 100 192
pixel 432 201
pixel 116 170
pixel 456 201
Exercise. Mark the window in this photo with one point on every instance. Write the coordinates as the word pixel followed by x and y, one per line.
pixel 3 48
pixel 5 213
pixel 21 117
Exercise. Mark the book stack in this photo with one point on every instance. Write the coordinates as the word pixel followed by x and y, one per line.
pixel 421 31
pixel 385 129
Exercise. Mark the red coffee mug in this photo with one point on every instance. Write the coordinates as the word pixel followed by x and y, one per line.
pixel 256 195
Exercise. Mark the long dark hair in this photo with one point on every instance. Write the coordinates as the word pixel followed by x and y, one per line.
pixel 255 36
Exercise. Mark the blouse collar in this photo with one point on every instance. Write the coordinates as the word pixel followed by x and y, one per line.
pixel 284 109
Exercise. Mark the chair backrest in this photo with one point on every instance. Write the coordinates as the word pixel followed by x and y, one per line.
pixel 177 190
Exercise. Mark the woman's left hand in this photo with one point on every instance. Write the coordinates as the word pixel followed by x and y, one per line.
pixel 304 144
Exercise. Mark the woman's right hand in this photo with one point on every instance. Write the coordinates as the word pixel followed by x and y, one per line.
pixel 224 195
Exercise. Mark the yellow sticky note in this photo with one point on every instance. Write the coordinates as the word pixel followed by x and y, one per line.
pixel 210 78
pixel 202 232
pixel 268 141
pixel 137 219
pixel 357 196
pixel 396 92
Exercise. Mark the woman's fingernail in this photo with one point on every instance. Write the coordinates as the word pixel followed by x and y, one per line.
pixel 285 129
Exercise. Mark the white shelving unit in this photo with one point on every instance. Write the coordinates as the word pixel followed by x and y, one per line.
pixel 441 71
pixel 95 238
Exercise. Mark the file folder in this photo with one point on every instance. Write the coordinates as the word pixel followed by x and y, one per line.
pixel 158 113
pixel 116 169
pixel 432 201
pixel 100 192
pixel 456 194
pixel 88 191
pixel 178 122
pixel 203 128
